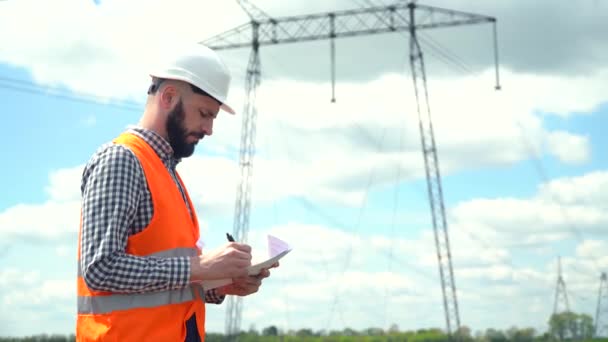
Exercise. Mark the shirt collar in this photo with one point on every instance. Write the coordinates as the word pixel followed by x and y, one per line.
pixel 159 144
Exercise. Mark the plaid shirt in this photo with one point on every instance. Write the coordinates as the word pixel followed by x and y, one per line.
pixel 116 204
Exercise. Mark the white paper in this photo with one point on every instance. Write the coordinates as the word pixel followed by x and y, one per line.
pixel 276 246
pixel 276 249
pixel 257 268
pixel 200 244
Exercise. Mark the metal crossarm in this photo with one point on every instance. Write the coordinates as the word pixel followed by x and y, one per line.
pixel 348 23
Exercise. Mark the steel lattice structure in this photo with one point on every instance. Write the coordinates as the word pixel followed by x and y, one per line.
pixel 399 17
pixel 435 192
pixel 243 199
pixel 601 314
pixel 242 206
pixel 561 294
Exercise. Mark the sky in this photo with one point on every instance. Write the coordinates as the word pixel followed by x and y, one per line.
pixel 524 169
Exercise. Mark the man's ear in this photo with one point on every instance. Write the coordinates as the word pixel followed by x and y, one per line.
pixel 168 96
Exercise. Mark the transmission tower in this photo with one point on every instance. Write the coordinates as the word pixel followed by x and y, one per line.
pixel 398 17
pixel 561 295
pixel 601 314
pixel 242 207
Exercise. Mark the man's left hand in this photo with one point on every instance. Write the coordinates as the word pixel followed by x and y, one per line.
pixel 246 285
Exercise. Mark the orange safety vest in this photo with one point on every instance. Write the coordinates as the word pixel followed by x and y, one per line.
pixel 172 232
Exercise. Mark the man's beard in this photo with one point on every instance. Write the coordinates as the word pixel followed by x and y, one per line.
pixel 178 134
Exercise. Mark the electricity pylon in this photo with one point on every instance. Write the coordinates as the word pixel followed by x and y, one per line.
pixel 601 314
pixel 400 16
pixel 561 303
pixel 242 206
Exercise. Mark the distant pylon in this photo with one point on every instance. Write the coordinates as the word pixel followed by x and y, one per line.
pixel 561 295
pixel 601 315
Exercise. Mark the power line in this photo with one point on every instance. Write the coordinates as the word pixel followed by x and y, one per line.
pixel 334 222
pixel 437 50
pixel 394 219
pixel 27 87
pixel 445 55
pixel 540 169
pixel 329 218
pixel 362 208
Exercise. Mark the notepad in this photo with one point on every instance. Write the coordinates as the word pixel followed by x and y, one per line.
pixel 277 249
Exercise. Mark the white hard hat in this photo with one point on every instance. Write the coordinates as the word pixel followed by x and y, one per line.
pixel 198 65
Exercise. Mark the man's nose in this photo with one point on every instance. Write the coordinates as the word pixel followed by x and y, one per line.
pixel 208 127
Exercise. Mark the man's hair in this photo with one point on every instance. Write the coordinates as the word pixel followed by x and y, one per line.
pixel 156 82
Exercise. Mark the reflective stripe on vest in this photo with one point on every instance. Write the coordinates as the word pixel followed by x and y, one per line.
pixel 107 304
pixel 114 302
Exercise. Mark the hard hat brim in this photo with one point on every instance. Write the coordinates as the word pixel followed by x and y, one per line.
pixel 226 108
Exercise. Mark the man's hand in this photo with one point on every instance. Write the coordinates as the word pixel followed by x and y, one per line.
pixel 228 261
pixel 245 286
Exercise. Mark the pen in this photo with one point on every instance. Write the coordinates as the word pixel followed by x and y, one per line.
pixel 230 238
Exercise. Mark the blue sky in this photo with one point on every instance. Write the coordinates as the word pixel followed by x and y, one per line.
pixel 524 169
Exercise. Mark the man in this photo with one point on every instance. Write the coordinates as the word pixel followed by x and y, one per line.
pixel 139 267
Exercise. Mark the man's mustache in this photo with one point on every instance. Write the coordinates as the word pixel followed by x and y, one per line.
pixel 198 135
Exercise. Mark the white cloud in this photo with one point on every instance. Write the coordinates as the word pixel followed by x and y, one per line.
pixel 336 146
pixel 44 304
pixel 45 293
pixel 563 208
pixel 315 285
pixel 211 181
pixel 12 277
pixel 49 220
pixel 64 184
pixel 104 49
pixel 333 150
pixel 54 218
pixel 591 248
pixel 585 189
pixel 568 147
pixel 21 289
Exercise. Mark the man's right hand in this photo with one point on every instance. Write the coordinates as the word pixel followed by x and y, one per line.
pixel 228 261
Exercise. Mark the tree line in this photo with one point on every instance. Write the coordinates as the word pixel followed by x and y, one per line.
pixel 566 326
